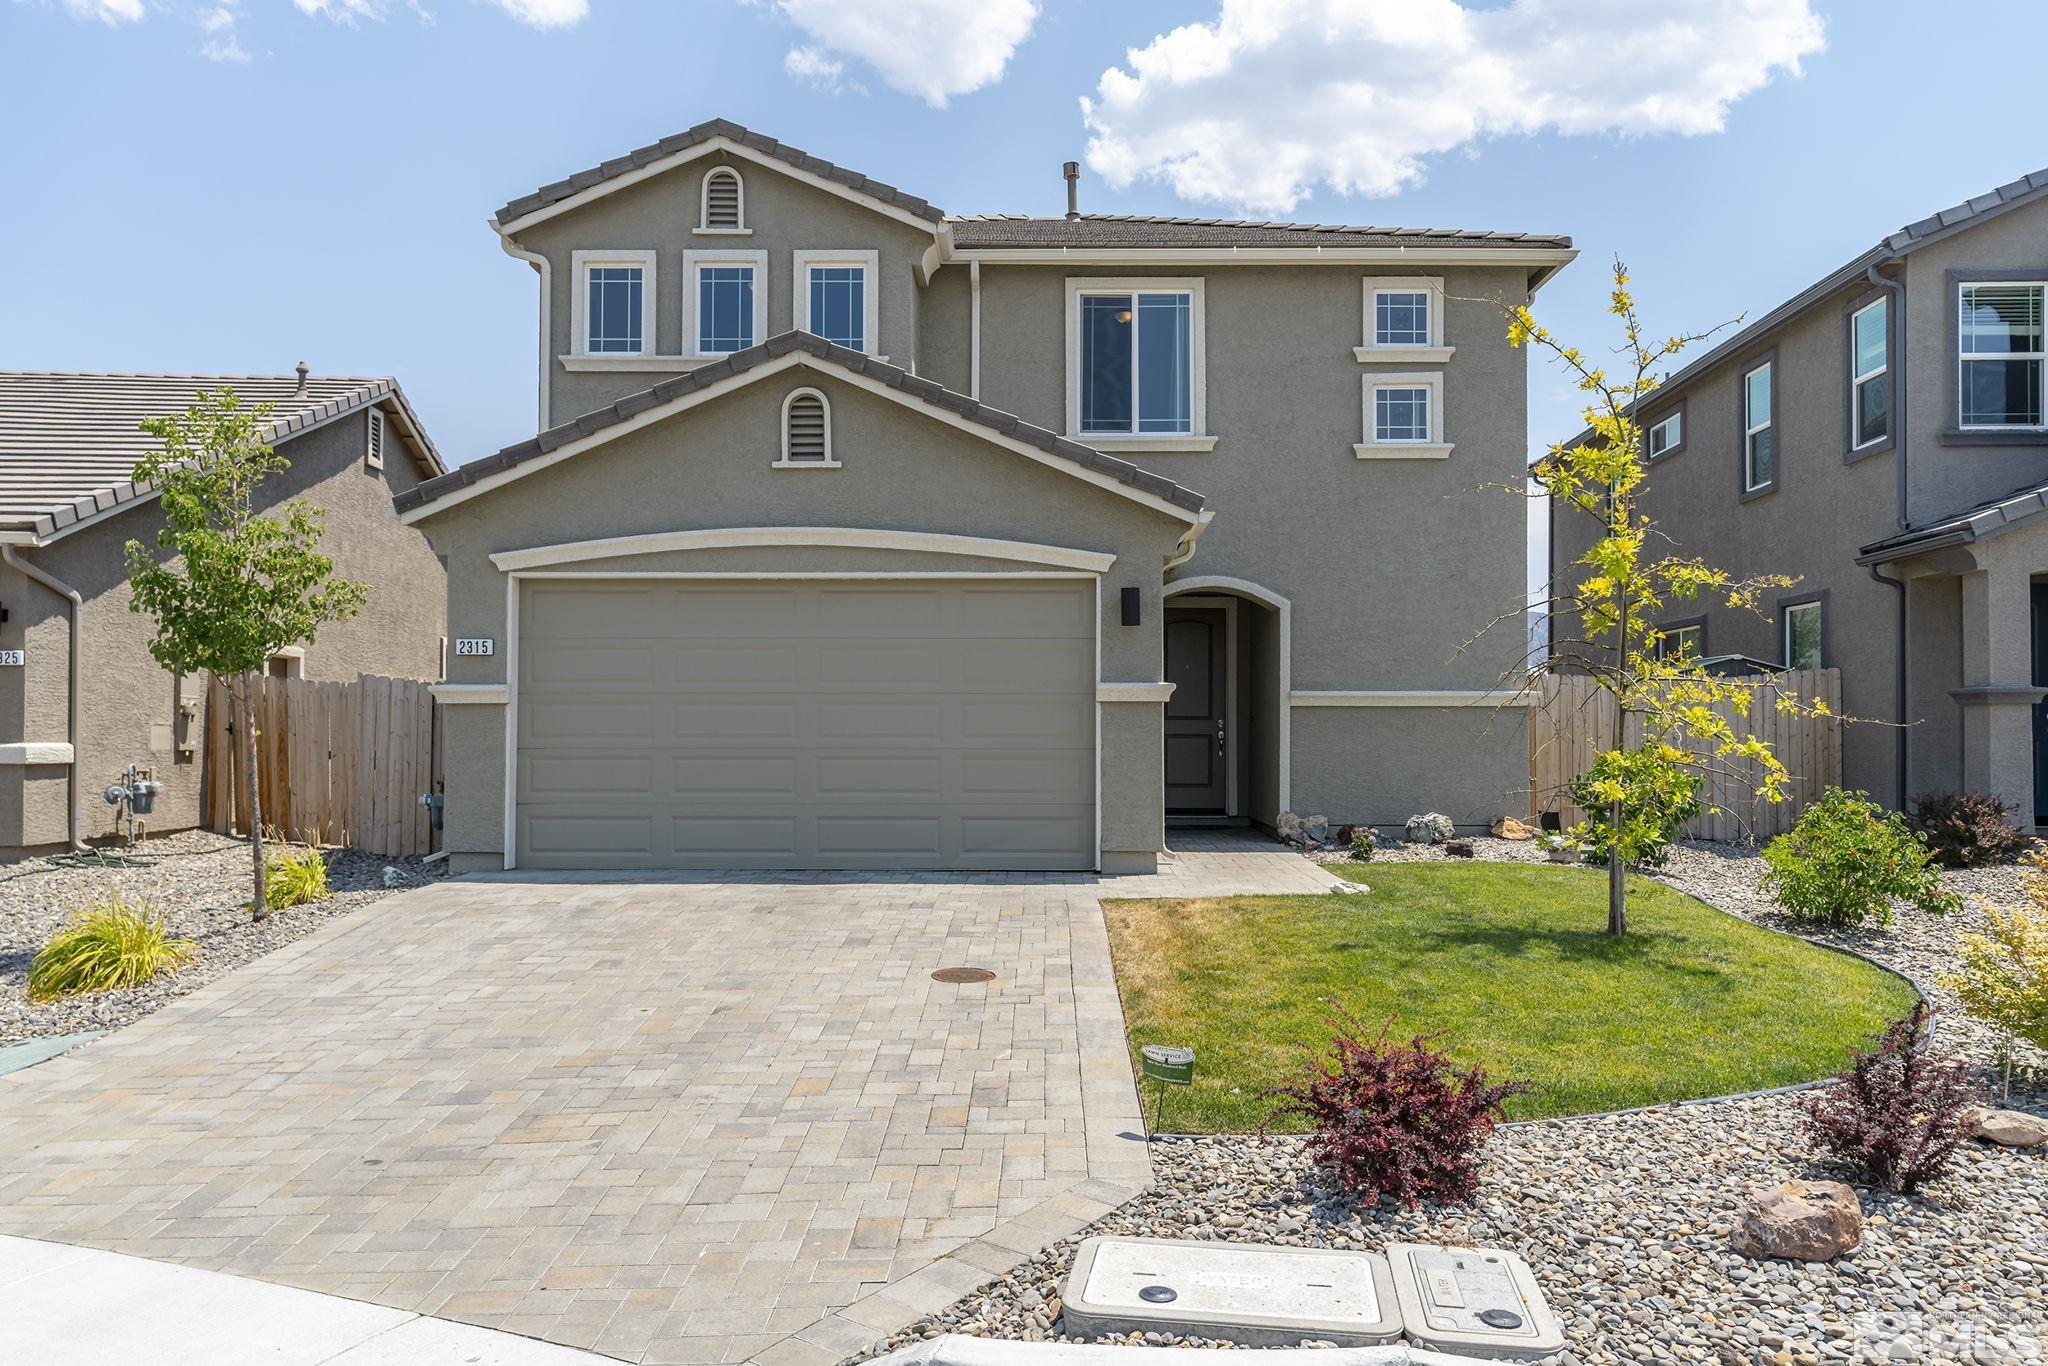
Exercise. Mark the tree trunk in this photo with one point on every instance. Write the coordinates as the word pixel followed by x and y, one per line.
pixel 245 703
pixel 1617 874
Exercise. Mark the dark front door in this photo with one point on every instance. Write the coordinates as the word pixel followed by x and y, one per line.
pixel 2041 707
pixel 1197 768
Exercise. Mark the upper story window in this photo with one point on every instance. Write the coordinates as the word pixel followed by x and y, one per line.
pixel 1870 403
pixel 807 431
pixel 1687 640
pixel 614 303
pixel 725 299
pixel 1665 435
pixel 1134 362
pixel 1403 320
pixel 1802 625
pixel 2000 350
pixel 835 297
pixel 725 201
pixel 1759 429
pixel 1404 418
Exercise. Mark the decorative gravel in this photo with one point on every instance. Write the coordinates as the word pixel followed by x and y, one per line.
pixel 1625 1218
pixel 200 883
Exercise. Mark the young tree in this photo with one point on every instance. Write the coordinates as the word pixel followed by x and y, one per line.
pixel 1621 594
pixel 228 587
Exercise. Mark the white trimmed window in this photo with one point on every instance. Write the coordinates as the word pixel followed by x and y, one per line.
pixel 373 446
pixel 2000 349
pixel 725 301
pixel 1404 320
pixel 724 208
pixel 1870 402
pixel 806 431
pixel 1759 430
pixel 1135 372
pixel 1666 435
pixel 1404 418
pixel 1682 642
pixel 612 310
pixel 835 297
pixel 1803 635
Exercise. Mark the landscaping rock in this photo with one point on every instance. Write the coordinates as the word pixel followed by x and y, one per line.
pixel 1315 829
pixel 1458 848
pixel 1508 828
pixel 1430 828
pixel 2007 1128
pixel 1799 1221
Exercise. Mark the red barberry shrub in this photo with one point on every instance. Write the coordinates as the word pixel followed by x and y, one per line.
pixel 1393 1120
pixel 1895 1116
pixel 1967 829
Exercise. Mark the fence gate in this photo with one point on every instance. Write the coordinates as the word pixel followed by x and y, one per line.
pixel 337 763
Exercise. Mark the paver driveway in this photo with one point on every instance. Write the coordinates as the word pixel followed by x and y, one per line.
pixel 694 1120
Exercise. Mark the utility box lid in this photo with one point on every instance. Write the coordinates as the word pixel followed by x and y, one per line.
pixel 1472 1301
pixel 1240 1292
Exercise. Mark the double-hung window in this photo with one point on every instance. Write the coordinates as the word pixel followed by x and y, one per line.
pixel 725 300
pixel 1135 361
pixel 1665 435
pixel 1870 385
pixel 1759 430
pixel 1687 641
pixel 614 303
pixel 1802 625
pixel 835 297
pixel 1999 344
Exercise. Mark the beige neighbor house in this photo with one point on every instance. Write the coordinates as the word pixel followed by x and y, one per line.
pixel 863 536
pixel 1882 435
pixel 71 721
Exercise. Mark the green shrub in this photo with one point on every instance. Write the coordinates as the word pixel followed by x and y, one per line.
pixel 2004 976
pixel 1659 794
pixel 1967 829
pixel 115 944
pixel 1848 859
pixel 295 876
pixel 1364 844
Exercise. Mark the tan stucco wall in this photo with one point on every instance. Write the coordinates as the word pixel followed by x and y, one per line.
pixel 130 707
pixel 711 467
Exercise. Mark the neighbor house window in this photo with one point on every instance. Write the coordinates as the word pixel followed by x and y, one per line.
pixel 1759 445
pixel 614 303
pixel 1404 418
pixel 1135 359
pixel 726 300
pixel 1870 386
pixel 1802 635
pixel 1404 316
pixel 1682 642
pixel 2000 345
pixel 835 297
pixel 725 201
pixel 1666 436
pixel 807 430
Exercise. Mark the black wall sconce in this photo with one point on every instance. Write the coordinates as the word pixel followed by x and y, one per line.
pixel 1131 601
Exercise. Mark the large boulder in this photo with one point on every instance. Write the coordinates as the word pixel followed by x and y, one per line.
pixel 1801 1221
pixel 1508 828
pixel 1430 828
pixel 2007 1128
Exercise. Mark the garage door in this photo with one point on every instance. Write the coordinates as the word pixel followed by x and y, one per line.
pixel 814 724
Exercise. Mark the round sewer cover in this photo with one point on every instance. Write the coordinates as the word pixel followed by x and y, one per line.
pixel 1158 1294
pixel 963 976
pixel 1500 1318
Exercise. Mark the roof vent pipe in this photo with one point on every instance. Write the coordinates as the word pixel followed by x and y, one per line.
pixel 1072 171
pixel 303 372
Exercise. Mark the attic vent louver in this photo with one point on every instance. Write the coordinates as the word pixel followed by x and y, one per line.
pixel 373 455
pixel 722 209
pixel 806 429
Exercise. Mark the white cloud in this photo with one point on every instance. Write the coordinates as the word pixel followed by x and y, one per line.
pixel 1276 97
pixel 109 12
pixel 933 49
pixel 224 49
pixel 828 73
pixel 342 11
pixel 218 18
pixel 533 13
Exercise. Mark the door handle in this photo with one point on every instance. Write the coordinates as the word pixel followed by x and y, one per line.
pixel 1219 735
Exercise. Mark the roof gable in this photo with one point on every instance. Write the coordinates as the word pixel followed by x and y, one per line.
pixel 773 357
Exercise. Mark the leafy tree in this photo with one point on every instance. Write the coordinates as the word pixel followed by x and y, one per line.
pixel 2004 975
pixel 229 587
pixel 1668 697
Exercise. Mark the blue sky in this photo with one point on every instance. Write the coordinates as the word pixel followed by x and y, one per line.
pixel 317 188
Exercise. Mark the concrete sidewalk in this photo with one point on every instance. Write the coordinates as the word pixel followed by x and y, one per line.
pixel 73 1306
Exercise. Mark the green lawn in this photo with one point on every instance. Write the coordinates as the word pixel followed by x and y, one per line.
pixel 1515 962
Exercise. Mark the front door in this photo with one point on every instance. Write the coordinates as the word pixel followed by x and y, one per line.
pixel 2041 708
pixel 1197 653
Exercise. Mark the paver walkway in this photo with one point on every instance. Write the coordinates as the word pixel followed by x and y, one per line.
pixel 699 1119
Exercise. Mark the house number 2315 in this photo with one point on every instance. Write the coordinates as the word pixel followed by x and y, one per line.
pixel 480 645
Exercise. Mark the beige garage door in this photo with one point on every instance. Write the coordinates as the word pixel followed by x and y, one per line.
pixel 671 723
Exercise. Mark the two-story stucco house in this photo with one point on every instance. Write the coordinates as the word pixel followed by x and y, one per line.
pixel 860 535
pixel 1882 436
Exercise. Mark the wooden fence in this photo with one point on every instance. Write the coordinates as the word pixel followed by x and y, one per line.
pixel 1572 724
pixel 338 763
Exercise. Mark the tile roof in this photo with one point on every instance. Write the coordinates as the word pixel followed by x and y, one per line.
pixel 702 133
pixel 68 441
pixel 739 362
pixel 1138 230
pixel 1972 524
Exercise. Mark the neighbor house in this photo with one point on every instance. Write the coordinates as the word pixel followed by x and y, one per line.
pixel 71 721
pixel 861 535
pixel 1881 435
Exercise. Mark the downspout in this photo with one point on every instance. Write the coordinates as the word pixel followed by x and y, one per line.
pixel 547 299
pixel 64 590
pixel 1902 757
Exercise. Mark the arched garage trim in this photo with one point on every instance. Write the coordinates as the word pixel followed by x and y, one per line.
pixel 855 538
pixel 1221 583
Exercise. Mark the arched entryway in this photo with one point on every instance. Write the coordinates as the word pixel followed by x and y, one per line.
pixel 1228 644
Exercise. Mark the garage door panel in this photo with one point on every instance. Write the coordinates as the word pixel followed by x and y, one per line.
pixel 943 724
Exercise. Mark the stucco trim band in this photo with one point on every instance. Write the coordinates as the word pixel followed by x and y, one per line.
pixel 1107 691
pixel 848 538
pixel 1998 694
pixel 52 752
pixel 465 694
pixel 1474 698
